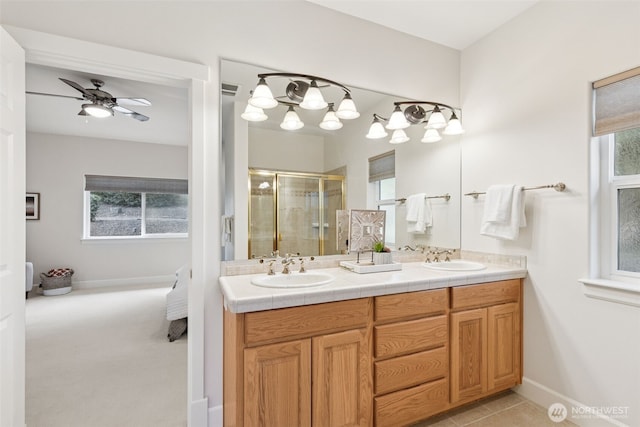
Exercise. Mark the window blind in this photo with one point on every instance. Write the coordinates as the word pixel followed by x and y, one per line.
pixel 135 184
pixel 616 103
pixel 382 166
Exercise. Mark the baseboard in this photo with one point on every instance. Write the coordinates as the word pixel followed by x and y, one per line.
pixel 576 412
pixel 198 413
pixel 215 416
pixel 150 280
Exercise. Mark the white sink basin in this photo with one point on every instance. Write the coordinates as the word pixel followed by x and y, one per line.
pixel 455 265
pixel 293 280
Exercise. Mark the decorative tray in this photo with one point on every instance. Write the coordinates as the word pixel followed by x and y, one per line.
pixel 368 267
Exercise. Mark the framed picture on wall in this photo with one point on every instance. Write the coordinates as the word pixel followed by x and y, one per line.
pixel 33 206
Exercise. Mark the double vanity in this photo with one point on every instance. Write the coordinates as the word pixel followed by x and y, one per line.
pixel 382 349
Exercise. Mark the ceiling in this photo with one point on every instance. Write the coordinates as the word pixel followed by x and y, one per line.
pixel 167 114
pixel 453 23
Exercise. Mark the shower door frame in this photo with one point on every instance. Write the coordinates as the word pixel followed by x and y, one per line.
pixel 276 205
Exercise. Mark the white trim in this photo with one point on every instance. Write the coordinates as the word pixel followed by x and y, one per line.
pixel 169 238
pixel 167 280
pixel 51 50
pixel 56 51
pixel 545 397
pixel 215 416
pixel 612 291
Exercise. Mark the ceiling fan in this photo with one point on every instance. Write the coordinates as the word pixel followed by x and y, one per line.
pixel 102 103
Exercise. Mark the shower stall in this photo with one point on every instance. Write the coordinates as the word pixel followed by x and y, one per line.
pixel 293 212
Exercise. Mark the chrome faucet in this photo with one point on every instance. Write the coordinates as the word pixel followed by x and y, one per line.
pixel 437 254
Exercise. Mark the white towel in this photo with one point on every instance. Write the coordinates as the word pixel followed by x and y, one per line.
pixel 497 203
pixel 419 214
pixel 508 229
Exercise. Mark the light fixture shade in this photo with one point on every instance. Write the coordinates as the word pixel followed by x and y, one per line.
pixel 97 110
pixel 291 120
pixel 347 108
pixel 313 99
pixel 253 114
pixel 330 121
pixel 397 120
pixel 262 96
pixel 436 119
pixel 454 127
pixel 399 136
pixel 431 135
pixel 376 130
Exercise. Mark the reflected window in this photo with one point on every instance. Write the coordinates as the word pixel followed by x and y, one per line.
pixel 386 201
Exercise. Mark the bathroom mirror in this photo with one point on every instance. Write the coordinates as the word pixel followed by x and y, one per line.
pixel 429 168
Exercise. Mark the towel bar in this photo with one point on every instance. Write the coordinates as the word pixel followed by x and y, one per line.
pixel 558 187
pixel 446 196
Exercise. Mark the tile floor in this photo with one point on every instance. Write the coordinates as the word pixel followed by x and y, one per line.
pixel 507 409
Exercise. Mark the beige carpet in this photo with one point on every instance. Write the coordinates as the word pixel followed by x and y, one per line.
pixel 99 357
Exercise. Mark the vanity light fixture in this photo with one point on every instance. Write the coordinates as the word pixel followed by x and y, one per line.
pixel 414 114
pixel 303 91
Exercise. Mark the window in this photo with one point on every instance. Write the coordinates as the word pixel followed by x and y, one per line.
pixel 620 204
pixel 117 207
pixel 382 171
pixel 615 190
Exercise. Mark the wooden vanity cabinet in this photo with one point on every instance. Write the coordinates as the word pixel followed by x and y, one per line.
pixel 411 357
pixel 390 360
pixel 299 366
pixel 486 339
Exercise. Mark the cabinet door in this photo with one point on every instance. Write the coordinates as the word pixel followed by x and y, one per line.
pixel 277 385
pixel 468 354
pixel 503 334
pixel 342 379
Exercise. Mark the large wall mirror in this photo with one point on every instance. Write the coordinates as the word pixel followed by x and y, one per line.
pixel 282 188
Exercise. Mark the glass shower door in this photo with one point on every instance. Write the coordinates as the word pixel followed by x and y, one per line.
pixel 262 214
pixel 298 201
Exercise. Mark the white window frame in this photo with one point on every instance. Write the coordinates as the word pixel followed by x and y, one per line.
pixel 385 202
pixel 605 281
pixel 143 227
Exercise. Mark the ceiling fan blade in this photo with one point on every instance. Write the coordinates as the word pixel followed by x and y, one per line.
pixel 138 102
pixel 75 86
pixel 130 113
pixel 53 94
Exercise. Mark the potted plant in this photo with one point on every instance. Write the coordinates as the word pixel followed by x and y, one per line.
pixel 381 254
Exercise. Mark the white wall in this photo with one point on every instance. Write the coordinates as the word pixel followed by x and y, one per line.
pixel 56 166
pixel 253 32
pixel 285 151
pixel 525 91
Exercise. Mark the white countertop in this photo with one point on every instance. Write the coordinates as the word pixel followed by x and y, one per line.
pixel 241 296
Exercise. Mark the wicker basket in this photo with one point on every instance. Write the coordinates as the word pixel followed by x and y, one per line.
pixel 55 285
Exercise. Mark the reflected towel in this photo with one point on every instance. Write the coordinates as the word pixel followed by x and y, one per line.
pixel 508 229
pixel 419 214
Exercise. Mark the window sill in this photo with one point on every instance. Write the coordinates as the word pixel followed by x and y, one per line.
pixel 146 239
pixel 612 290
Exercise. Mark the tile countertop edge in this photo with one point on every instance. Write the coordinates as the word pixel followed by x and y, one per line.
pixel 240 296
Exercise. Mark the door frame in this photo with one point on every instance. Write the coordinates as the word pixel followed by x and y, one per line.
pixel 63 52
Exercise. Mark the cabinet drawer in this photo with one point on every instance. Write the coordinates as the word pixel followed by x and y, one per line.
pixel 306 321
pixel 407 337
pixel 485 294
pixel 398 306
pixel 408 371
pixel 409 406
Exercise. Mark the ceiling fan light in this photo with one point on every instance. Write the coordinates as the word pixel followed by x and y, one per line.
pixel 376 130
pixel 291 120
pixel 436 119
pixel 397 120
pixel 347 108
pixel 431 135
pixel 97 110
pixel 330 120
pixel 398 137
pixel 454 127
pixel 262 96
pixel 253 114
pixel 313 99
